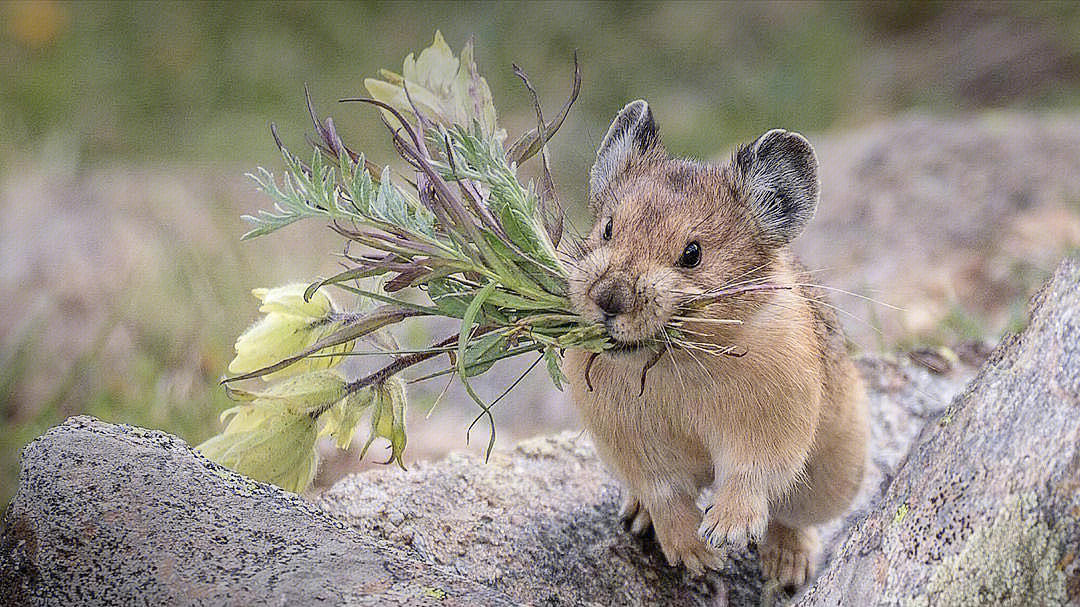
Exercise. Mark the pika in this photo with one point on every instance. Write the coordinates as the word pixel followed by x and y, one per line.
pixel 755 394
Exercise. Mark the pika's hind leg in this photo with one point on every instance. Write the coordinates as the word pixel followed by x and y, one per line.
pixel 634 514
pixel 788 554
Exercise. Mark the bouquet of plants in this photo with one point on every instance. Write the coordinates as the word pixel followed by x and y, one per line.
pixel 458 236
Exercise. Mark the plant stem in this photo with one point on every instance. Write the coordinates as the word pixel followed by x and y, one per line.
pixel 399 364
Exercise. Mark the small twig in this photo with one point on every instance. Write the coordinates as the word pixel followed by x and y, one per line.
pixel 384 373
pixel 652 361
pixel 550 208
pixel 732 353
pixel 588 367
pixel 528 144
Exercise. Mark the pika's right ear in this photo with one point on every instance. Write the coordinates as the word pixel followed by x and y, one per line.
pixel 632 137
pixel 779 171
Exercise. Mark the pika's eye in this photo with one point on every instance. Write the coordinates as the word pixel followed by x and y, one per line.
pixel 691 255
pixel 607 230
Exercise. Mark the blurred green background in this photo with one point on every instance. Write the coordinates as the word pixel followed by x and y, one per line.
pixel 125 129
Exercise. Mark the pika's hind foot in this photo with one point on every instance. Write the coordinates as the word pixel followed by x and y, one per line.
pixel 681 546
pixel 634 514
pixel 789 554
pixel 673 521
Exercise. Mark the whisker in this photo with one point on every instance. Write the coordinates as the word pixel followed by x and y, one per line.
pixel 842 311
pixel 673 364
pixel 748 272
pixel 714 321
pixel 694 357
pixel 870 299
pixel 439 398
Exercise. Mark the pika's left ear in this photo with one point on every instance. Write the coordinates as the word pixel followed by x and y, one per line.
pixel 632 138
pixel 779 174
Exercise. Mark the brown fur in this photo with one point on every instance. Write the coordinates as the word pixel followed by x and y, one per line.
pixel 781 431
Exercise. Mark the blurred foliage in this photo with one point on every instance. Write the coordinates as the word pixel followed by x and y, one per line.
pixel 92 84
pixel 200 81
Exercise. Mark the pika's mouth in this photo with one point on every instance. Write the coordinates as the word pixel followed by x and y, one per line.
pixel 636 345
pixel 621 347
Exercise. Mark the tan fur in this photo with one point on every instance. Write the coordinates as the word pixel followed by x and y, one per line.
pixel 780 432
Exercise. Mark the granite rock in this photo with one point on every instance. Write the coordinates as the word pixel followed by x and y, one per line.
pixel 983 509
pixel 119 515
pixel 986 510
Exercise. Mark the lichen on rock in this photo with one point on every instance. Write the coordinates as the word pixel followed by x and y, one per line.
pixel 1012 562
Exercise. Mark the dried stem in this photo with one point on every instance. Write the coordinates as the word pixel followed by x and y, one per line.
pixel 649 365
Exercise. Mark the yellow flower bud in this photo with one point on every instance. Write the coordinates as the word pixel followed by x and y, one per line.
pixel 343 419
pixel 388 418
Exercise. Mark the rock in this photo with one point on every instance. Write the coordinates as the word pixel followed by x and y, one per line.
pixel 986 511
pixel 118 515
pixel 539 523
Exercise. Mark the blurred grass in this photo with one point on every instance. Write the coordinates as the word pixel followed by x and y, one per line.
pixel 184 92
pixel 200 81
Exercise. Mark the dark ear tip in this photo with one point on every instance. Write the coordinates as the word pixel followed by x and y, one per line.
pixel 782 139
pixel 632 135
pixel 636 115
pixel 778 143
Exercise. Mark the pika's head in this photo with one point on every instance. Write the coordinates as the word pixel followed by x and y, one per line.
pixel 668 230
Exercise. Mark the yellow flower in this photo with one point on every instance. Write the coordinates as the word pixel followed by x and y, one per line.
pixel 289 299
pixel 313 391
pixel 388 418
pixel 444 88
pixel 271 436
pixel 267 445
pixel 291 325
pixel 343 419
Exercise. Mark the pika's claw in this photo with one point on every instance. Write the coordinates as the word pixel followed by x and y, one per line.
pixel 788 554
pixel 734 524
pixel 692 554
pixel 635 515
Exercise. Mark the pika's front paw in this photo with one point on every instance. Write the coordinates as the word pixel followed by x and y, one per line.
pixel 684 548
pixel 734 523
pixel 789 554
pixel 634 514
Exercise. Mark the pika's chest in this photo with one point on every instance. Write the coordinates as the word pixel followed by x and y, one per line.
pixel 632 396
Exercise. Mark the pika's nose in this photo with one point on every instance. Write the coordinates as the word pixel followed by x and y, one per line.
pixel 612 296
pixel 609 303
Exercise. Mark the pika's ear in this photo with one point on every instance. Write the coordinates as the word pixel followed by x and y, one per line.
pixel 779 174
pixel 632 136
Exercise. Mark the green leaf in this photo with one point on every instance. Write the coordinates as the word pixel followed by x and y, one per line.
pixel 449 300
pixel 463 342
pixel 358 183
pixel 482 349
pixel 389 205
pixel 554 367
